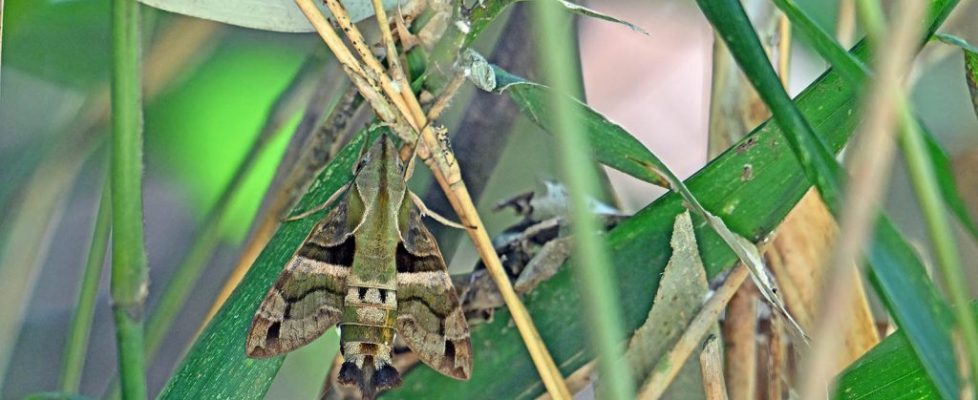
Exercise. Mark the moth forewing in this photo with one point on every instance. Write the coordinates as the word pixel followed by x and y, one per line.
pixel 307 298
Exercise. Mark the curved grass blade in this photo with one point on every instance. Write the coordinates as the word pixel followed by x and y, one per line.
pixel 904 293
pixel 750 206
pixel 856 72
pixel 270 15
pixel 613 146
pixel 216 366
pixel 890 370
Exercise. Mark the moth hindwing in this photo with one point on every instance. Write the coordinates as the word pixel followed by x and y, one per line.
pixel 373 268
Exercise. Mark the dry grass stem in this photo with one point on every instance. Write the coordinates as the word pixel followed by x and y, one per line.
pixel 740 342
pixel 845 27
pixel 711 367
pixel 869 168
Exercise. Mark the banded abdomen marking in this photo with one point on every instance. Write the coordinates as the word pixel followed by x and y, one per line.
pixel 366 337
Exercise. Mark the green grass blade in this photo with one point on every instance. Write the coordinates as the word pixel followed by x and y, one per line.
pixel 81 321
pixel 856 72
pixel 591 260
pixel 928 327
pixel 925 182
pixel 732 25
pixel 216 366
pixel 751 207
pixel 889 371
pixel 129 274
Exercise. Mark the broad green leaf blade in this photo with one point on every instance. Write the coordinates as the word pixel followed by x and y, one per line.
pixel 905 287
pixel 615 147
pixel 269 15
pixel 856 72
pixel 216 366
pixel 640 247
pixel 889 371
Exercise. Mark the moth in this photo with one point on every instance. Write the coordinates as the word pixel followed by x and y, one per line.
pixel 372 268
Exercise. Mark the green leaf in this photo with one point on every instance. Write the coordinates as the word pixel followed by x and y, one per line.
pixel 616 148
pixel 270 15
pixel 216 366
pixel 856 72
pixel 587 12
pixel 903 285
pixel 611 144
pixel 751 206
pixel 890 370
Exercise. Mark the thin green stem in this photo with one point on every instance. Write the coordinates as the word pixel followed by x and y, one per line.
pixel 129 275
pixel 590 258
pixel 81 322
pixel 929 195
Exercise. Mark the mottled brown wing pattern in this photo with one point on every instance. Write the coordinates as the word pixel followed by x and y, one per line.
pixel 429 318
pixel 307 299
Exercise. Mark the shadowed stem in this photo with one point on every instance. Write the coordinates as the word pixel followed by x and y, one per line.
pixel 129 275
pixel 81 321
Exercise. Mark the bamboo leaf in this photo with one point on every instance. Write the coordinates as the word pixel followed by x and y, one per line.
pixel 269 15
pixel 890 370
pixel 611 144
pixel 910 295
pixel 856 72
pixel 615 147
pixel 751 206
pixel 587 12
pixel 216 366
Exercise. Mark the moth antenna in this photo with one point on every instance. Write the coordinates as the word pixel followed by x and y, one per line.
pixel 437 217
pixel 332 198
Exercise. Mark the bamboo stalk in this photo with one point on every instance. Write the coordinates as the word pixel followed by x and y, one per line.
pixel 446 172
pixel 129 275
pixel 81 321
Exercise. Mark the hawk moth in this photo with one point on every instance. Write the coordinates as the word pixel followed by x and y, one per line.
pixel 372 268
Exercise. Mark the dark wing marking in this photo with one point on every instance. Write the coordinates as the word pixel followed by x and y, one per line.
pixel 429 318
pixel 308 297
